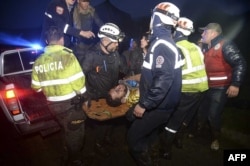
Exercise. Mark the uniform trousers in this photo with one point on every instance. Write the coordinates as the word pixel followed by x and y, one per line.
pixel 71 118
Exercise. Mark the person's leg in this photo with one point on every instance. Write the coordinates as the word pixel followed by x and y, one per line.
pixel 203 112
pixel 193 101
pixel 72 122
pixel 174 129
pixel 138 135
pixel 218 100
pixel 74 135
pixel 101 130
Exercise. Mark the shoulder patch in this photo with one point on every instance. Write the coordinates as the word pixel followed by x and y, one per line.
pixel 59 10
pixel 159 61
pixel 67 50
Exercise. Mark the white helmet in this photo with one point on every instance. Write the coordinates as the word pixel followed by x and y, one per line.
pixel 167 12
pixel 185 26
pixel 112 32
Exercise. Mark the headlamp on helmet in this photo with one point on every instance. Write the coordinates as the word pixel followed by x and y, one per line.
pixel 112 32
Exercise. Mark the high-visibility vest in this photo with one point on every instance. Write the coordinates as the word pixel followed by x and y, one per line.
pixel 194 77
pixel 58 74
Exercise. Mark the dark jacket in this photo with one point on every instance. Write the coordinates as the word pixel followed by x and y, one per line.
pixel 233 57
pixel 89 21
pixel 57 14
pixel 160 84
pixel 102 71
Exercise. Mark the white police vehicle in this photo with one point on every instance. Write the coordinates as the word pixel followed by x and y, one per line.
pixel 26 109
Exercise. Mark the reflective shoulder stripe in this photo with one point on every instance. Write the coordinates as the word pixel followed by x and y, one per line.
pixel 189 62
pixel 178 62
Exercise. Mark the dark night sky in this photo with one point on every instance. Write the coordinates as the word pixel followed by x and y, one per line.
pixel 134 15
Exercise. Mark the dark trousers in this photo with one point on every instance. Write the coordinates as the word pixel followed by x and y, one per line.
pixel 72 120
pixel 211 109
pixel 185 111
pixel 141 133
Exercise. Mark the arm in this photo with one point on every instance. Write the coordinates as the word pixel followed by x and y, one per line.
pixel 56 13
pixel 233 57
pixel 76 76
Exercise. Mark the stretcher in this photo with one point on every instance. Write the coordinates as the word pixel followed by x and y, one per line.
pixel 99 110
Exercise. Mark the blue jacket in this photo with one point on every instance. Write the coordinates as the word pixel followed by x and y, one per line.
pixel 160 84
pixel 57 14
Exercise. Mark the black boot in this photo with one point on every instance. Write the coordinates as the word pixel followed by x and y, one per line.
pixel 167 139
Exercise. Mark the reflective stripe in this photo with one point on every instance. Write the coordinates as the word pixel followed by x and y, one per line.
pixel 65 97
pixel 48 15
pixel 148 65
pixel 65 28
pixel 178 62
pixel 218 78
pixel 61 98
pixel 170 130
pixel 193 69
pixel 194 81
pixel 60 81
pixel 188 59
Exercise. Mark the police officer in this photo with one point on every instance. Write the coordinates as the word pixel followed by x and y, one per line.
pixel 60 13
pixel 160 83
pixel 58 74
pixel 194 84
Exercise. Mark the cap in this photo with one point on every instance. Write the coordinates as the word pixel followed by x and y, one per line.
pixel 213 26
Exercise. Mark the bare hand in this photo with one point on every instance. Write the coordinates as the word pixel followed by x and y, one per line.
pixel 87 34
pixel 139 111
pixel 232 91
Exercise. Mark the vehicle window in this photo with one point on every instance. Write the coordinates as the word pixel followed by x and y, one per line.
pixel 20 61
pixel 29 57
pixel 12 63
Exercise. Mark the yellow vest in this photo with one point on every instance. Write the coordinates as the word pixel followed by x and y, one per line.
pixel 58 74
pixel 194 77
